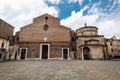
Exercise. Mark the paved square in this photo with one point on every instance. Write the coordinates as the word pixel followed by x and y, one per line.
pixel 60 70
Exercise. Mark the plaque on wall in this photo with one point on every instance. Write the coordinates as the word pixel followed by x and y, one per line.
pixel 45 38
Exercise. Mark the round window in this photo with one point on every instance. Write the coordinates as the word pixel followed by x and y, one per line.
pixel 46 27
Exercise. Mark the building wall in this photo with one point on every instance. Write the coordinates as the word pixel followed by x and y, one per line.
pixel 4 49
pixel 56 51
pixel 82 39
pixel 6 36
pixel 96 52
pixel 110 49
pixel 118 50
pixel 16 37
pixel 87 31
pixel 116 47
pixel 35 32
pixel 88 37
pixel 5 44
pixel 6 30
pixel 34 35
pixel 113 47
pixel 34 49
pixel 51 20
pixel 58 36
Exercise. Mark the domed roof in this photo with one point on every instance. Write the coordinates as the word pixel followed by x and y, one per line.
pixel 87 31
pixel 87 27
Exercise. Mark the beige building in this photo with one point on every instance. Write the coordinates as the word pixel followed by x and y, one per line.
pixel 14 50
pixel 113 47
pixel 4 48
pixel 89 44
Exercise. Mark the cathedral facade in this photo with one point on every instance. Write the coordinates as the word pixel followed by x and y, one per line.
pixel 45 38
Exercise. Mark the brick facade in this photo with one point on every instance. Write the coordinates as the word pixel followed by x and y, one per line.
pixel 6 37
pixel 33 37
pixel 6 30
pixel 45 38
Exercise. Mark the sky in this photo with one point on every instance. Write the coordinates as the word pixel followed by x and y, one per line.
pixel 104 14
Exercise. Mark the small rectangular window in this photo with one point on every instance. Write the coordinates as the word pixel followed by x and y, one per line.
pixel 111 44
pixel 2 44
pixel 17 39
pixel 0 56
pixel 111 50
pixel 73 39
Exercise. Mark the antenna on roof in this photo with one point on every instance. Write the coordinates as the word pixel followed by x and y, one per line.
pixel 85 24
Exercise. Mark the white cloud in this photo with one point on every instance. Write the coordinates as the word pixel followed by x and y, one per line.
pixel 95 9
pixel 80 1
pixel 118 1
pixel 20 13
pixel 90 0
pixel 54 1
pixel 108 24
pixel 77 20
pixel 109 28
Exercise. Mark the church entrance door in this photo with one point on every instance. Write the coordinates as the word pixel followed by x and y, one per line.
pixel 23 53
pixel 65 53
pixel 86 52
pixel 44 51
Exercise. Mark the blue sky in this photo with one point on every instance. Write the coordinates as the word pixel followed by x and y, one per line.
pixel 104 14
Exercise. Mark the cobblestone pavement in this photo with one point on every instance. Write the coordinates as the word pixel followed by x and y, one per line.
pixel 60 70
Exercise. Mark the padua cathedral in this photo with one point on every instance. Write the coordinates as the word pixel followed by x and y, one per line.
pixel 45 38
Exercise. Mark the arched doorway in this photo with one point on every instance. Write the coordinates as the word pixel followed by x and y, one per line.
pixel 86 52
